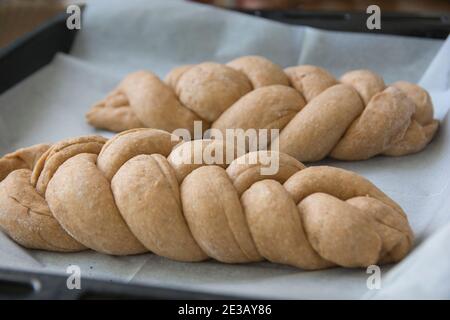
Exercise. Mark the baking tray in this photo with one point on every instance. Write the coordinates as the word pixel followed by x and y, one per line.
pixel 435 25
pixel 34 50
pixel 38 286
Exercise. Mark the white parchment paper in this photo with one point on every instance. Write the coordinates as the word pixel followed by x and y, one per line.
pixel 118 37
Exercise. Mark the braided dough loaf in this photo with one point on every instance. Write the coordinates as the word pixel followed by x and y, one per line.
pixel 354 118
pixel 137 193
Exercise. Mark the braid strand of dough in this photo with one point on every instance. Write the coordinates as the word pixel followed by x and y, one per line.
pixel 354 118
pixel 140 191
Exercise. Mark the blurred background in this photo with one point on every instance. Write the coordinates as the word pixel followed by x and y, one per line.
pixel 337 5
pixel 38 27
pixel 424 18
pixel 420 18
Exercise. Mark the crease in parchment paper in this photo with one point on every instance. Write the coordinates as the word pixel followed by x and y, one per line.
pixel 13 255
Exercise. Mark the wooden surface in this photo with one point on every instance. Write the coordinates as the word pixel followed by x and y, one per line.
pixel 18 17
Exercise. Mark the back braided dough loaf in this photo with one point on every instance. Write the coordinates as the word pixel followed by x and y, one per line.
pixel 136 193
pixel 354 118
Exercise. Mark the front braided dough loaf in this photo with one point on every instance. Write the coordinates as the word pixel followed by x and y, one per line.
pixel 354 118
pixel 137 193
